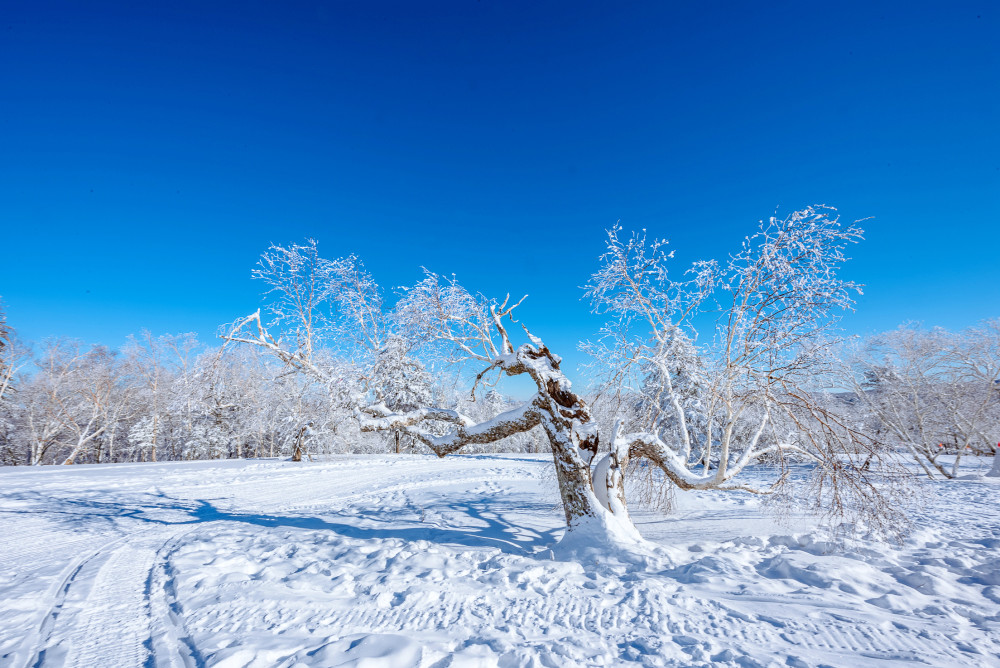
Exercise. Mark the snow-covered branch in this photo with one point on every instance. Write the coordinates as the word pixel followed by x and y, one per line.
pixel 515 421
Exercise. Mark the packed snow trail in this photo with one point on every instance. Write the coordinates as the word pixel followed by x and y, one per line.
pixel 415 561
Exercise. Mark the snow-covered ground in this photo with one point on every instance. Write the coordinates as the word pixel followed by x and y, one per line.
pixel 414 561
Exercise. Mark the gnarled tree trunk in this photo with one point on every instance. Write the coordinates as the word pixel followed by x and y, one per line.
pixel 562 414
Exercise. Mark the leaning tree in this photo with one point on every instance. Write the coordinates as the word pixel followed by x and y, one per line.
pixel 777 298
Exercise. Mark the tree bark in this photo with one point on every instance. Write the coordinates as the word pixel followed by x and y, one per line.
pixel 562 414
pixel 299 438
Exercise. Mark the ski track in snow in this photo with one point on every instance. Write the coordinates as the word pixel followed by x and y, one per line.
pixel 413 561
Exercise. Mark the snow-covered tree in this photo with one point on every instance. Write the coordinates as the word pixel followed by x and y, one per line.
pixel 74 398
pixel 932 392
pixel 150 378
pixel 315 302
pixel 399 380
pixel 747 397
pixel 676 374
pixel 325 319
pixel 13 357
pixel 6 364
pixel 749 393
pixel 143 435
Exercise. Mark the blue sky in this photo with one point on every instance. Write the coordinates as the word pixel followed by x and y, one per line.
pixel 149 152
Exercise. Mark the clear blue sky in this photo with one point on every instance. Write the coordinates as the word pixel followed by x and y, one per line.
pixel 149 151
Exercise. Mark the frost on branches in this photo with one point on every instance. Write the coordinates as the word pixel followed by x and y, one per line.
pixel 400 381
pixel 750 392
pixel 931 392
pixel 700 411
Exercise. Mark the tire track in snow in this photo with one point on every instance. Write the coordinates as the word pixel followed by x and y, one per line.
pixel 101 614
pixel 114 626
pixel 33 551
pixel 73 583
pixel 171 644
pixel 699 628
pixel 44 541
pixel 101 610
pixel 844 641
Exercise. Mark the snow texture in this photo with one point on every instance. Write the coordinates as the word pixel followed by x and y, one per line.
pixel 407 560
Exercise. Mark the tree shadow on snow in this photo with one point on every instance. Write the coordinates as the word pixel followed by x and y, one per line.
pixel 473 523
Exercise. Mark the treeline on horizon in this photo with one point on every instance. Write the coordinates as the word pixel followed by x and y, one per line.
pixel 171 398
pixel 926 392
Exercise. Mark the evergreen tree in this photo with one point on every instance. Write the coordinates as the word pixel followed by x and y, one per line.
pixel 400 381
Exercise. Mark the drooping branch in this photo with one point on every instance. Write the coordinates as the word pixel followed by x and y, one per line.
pixel 653 448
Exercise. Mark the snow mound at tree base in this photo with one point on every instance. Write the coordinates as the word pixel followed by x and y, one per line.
pixel 604 542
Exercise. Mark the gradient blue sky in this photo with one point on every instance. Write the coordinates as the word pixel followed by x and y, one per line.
pixel 150 151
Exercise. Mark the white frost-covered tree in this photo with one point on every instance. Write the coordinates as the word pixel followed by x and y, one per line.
pixel 77 395
pixel 399 380
pixel 9 361
pixel 729 362
pixel 746 399
pixel 13 357
pixel 324 319
pixel 932 392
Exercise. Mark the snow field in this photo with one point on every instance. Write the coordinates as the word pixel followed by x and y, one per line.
pixel 414 561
